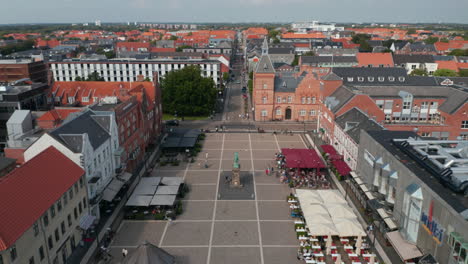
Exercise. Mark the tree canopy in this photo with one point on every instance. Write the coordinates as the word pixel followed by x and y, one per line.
pixel 187 93
pixel 418 72
pixel 445 73
pixel 459 52
pixel 431 40
pixel 362 39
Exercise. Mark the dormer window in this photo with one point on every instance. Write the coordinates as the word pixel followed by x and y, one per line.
pixel 360 79
pixel 350 79
pixel 381 78
pixel 85 99
pixel 71 100
pixel 401 79
pixel 391 79
pixel 370 79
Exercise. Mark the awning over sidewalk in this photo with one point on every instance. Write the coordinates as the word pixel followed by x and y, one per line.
pixel 150 181
pixel 112 189
pixel 341 167
pixel 302 158
pixel 163 199
pixel 86 221
pixel 139 200
pixel 125 176
pixel 405 250
pixel 172 181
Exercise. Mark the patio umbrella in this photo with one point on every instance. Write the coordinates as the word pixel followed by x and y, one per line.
pixel 329 244
pixel 359 242
pixel 372 259
pixel 148 253
pixel 338 259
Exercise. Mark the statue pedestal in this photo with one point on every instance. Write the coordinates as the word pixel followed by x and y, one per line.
pixel 235 179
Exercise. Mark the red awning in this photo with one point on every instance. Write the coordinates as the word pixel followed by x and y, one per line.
pixel 329 149
pixel 341 167
pixel 302 158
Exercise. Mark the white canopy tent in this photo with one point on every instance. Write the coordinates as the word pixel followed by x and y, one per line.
pixel 163 199
pixel 348 227
pixel 139 200
pixel 150 180
pixel 332 216
pixel 167 190
pixel 172 181
pixel 145 189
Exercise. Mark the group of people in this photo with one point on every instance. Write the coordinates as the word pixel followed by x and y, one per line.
pixel 297 178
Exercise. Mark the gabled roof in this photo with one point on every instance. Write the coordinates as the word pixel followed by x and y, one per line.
pixel 360 76
pixel 401 59
pixel 339 98
pixel 265 65
pixel 354 120
pixel 375 59
pixel 30 190
pixel 287 82
pixel 70 133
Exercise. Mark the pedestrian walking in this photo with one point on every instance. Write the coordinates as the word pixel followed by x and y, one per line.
pixel 267 171
pixel 124 252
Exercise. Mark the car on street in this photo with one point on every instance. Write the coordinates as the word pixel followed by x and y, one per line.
pixel 172 122
pixel 238 82
pixel 244 89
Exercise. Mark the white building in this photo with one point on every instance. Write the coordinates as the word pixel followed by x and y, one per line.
pixel 128 70
pixel 314 26
pixel 412 62
pixel 91 141
pixel 347 132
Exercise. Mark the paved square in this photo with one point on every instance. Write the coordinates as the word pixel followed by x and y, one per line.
pixel 187 233
pixel 278 233
pixel 194 210
pixel 201 192
pixel 136 232
pixel 281 255
pixel 293 144
pixel 248 222
pixel 272 192
pixel 192 255
pixel 262 178
pixel 236 210
pixel 235 233
pixel 274 210
pixel 235 255
pixel 226 192
pixel 201 177
pixel 237 145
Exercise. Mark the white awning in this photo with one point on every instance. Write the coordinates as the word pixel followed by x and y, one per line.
pixel 172 181
pixel 86 221
pixel 308 197
pixel 340 211
pixel 145 189
pixel 364 188
pixel 163 199
pixel 139 200
pixel 391 225
pixel 150 180
pixel 404 249
pixel 382 213
pixel 349 228
pixel 323 229
pixel 167 190
pixel 353 174
pixel 331 196
pixel 358 181
pixel 109 195
pixel 369 195
pixel 112 189
pixel 125 176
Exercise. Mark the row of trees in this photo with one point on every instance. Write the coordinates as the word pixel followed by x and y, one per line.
pixel 20 46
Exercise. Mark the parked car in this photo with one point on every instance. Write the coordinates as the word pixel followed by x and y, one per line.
pixel 172 122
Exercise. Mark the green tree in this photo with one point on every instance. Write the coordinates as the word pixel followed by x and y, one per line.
pixel 431 40
pixel 250 84
pixel 418 72
pixel 309 53
pixel 362 39
pixel 411 31
pixel 110 54
pixel 444 40
pixel 295 61
pixel 276 41
pixel 173 38
pixel 225 76
pixel 463 73
pixel 94 77
pixel 459 52
pixel 181 48
pixel 251 75
pixel 445 73
pixel 188 93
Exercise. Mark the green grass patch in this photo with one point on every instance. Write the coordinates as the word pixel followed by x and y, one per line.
pixel 188 118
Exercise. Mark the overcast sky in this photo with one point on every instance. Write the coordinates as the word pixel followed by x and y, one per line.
pixel 73 11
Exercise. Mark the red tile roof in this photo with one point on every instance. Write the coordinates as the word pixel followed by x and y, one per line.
pixel 302 36
pixel 133 46
pixel 441 46
pixel 375 59
pixel 154 49
pixel 30 190
pixel 451 65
